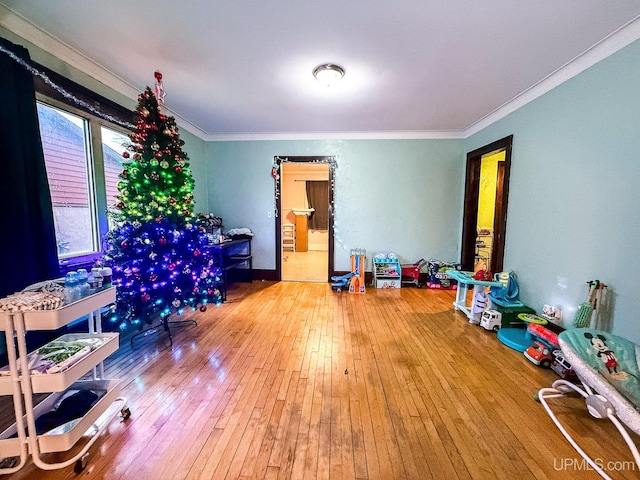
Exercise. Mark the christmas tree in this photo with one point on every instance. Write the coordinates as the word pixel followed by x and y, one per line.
pixel 156 248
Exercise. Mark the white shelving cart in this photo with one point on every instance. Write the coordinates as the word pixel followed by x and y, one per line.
pixel 20 440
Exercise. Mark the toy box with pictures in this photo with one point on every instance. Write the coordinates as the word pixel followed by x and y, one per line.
pixel 437 276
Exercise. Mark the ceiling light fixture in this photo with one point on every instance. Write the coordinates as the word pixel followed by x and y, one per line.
pixel 328 74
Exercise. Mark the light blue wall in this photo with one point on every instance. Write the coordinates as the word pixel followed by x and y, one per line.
pixel 574 198
pixel 391 195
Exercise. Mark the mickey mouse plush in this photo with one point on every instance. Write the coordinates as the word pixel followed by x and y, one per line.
pixel 606 355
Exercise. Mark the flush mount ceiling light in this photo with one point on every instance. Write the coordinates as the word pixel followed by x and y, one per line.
pixel 328 74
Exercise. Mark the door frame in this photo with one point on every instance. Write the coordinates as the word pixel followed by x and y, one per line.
pixel 278 161
pixel 470 215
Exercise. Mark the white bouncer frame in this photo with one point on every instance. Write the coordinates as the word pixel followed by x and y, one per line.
pixel 602 400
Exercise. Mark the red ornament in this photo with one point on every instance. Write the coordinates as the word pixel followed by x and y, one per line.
pixel 145 297
pixel 125 154
pixel 159 154
pixel 172 201
pixel 196 253
pixel 203 308
pixel 158 219
pixel 172 266
pixel 153 277
pixel 162 241
pixel 177 168
pixel 124 244
pixel 120 205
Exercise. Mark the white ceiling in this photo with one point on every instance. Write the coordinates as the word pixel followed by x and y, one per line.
pixel 242 69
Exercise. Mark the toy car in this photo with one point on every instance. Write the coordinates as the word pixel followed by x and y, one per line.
pixel 540 354
pixel 561 366
pixel 491 320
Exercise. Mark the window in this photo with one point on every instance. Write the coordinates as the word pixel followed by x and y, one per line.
pixel 113 144
pixel 82 178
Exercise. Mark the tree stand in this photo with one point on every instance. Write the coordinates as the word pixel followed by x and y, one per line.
pixel 164 324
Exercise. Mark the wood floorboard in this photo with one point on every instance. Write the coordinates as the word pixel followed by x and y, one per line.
pixel 294 381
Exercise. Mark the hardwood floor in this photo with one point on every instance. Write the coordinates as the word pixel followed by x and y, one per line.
pixel 309 266
pixel 293 381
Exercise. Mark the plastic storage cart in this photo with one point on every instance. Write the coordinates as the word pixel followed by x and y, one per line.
pixel 21 439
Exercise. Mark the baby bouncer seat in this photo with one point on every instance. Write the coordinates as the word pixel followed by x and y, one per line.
pixel 607 367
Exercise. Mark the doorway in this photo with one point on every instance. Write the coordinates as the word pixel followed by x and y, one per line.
pixel 485 206
pixel 304 221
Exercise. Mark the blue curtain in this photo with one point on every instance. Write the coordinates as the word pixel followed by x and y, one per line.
pixel 28 251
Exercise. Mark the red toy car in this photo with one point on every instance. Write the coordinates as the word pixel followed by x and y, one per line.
pixel 539 354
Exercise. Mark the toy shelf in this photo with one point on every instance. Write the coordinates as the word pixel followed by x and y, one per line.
pixel 387 271
pixel 22 382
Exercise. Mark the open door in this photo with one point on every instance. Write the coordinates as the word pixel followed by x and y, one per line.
pixel 470 231
pixel 295 256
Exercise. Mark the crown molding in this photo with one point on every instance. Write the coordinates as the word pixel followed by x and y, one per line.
pixel 30 32
pixel 373 135
pixel 52 45
pixel 625 35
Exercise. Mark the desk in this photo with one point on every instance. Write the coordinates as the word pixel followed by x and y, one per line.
pixel 464 280
pixel 233 257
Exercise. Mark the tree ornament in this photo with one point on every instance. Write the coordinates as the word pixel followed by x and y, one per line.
pixel 144 112
pixel 164 164
pixel 145 297
pixel 176 303
pixel 124 244
pixel 177 168
pixel 196 253
pixel 154 162
pixel 171 266
pixel 155 176
pixel 125 154
pixel 203 308
pixel 158 90
pixel 155 146
pixel 172 201
pixel 162 241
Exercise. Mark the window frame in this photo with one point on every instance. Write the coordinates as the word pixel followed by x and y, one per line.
pixel 52 97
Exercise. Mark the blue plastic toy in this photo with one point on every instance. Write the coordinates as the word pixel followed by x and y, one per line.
pixel 342 281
